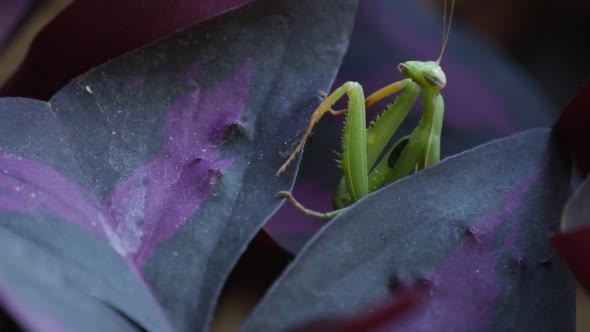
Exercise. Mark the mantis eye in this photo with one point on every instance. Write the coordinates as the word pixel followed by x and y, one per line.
pixel 433 80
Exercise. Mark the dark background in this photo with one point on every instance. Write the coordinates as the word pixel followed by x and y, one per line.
pixel 546 38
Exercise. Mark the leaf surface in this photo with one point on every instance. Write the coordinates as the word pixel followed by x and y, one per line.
pixel 472 229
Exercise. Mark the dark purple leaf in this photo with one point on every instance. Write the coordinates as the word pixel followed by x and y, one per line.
pixel 473 229
pixel 572 127
pixel 573 240
pixel 577 211
pixel 168 153
pixel 88 33
pixel 12 15
pixel 486 97
pixel 383 314
pixel 574 246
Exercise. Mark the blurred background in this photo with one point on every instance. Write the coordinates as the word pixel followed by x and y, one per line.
pixel 543 42
pixel 548 38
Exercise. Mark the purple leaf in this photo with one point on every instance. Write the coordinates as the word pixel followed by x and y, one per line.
pixel 573 246
pixel 168 155
pixel 473 229
pixel 56 267
pixel 486 97
pixel 160 197
pixel 88 33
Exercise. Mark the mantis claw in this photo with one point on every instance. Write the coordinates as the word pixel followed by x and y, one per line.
pixel 338 112
pixel 324 95
pixel 283 194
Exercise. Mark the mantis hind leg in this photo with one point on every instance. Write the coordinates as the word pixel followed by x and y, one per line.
pixel 323 108
pixel 303 209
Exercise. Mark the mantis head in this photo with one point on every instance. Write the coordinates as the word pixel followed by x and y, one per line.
pixel 427 74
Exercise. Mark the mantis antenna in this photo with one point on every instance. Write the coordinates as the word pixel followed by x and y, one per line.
pixel 446 29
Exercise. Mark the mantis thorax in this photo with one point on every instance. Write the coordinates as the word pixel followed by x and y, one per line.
pixel 427 74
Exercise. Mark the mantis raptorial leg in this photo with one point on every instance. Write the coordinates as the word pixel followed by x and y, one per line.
pixel 362 147
pixel 325 107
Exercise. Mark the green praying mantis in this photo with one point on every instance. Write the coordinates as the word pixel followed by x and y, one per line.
pixel 364 170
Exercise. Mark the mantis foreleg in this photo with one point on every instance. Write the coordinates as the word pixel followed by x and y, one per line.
pixel 422 149
pixel 380 132
pixel 433 118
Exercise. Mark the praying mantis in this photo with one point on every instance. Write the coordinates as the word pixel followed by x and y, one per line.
pixel 364 171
